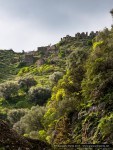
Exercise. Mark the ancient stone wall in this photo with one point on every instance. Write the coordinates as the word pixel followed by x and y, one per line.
pixel 83 35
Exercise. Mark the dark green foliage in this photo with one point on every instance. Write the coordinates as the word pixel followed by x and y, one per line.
pixel 31 123
pixel 99 68
pixel 89 42
pixel 66 96
pixel 78 107
pixel 97 89
pixel 105 127
pixel 111 12
pixel 23 104
pixel 8 64
pixel 39 95
pixel 67 106
pixel 8 90
pixel 26 83
pixel 62 53
pixel 21 64
pixel 87 90
pixel 75 67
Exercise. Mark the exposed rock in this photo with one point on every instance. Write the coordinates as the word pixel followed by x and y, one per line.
pixel 47 49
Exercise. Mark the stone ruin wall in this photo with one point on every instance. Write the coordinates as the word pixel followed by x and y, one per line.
pixel 83 35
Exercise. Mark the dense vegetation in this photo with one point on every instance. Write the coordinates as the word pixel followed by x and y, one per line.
pixel 68 98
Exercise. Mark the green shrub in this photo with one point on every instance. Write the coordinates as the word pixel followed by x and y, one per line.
pixel 8 90
pixel 20 65
pixel 26 83
pixel 31 122
pixel 23 71
pixel 55 77
pixel 15 115
pixel 23 104
pixel 39 95
pixel 104 129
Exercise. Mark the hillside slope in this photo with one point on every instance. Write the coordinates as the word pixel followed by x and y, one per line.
pixel 61 94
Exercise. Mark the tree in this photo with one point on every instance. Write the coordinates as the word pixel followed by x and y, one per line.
pixel 111 12
pixel 31 122
pixel 8 90
pixel 15 115
pixel 55 77
pixel 26 83
pixel 97 91
pixel 39 95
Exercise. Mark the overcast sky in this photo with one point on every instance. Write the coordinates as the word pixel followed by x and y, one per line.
pixel 27 24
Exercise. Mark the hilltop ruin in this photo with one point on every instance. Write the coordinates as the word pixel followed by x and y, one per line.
pixel 82 35
pixel 50 49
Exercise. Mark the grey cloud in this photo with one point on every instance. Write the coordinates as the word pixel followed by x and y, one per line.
pixel 45 21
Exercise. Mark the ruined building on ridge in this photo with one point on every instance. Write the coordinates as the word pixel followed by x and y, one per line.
pixel 47 49
pixel 28 59
pixel 81 36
